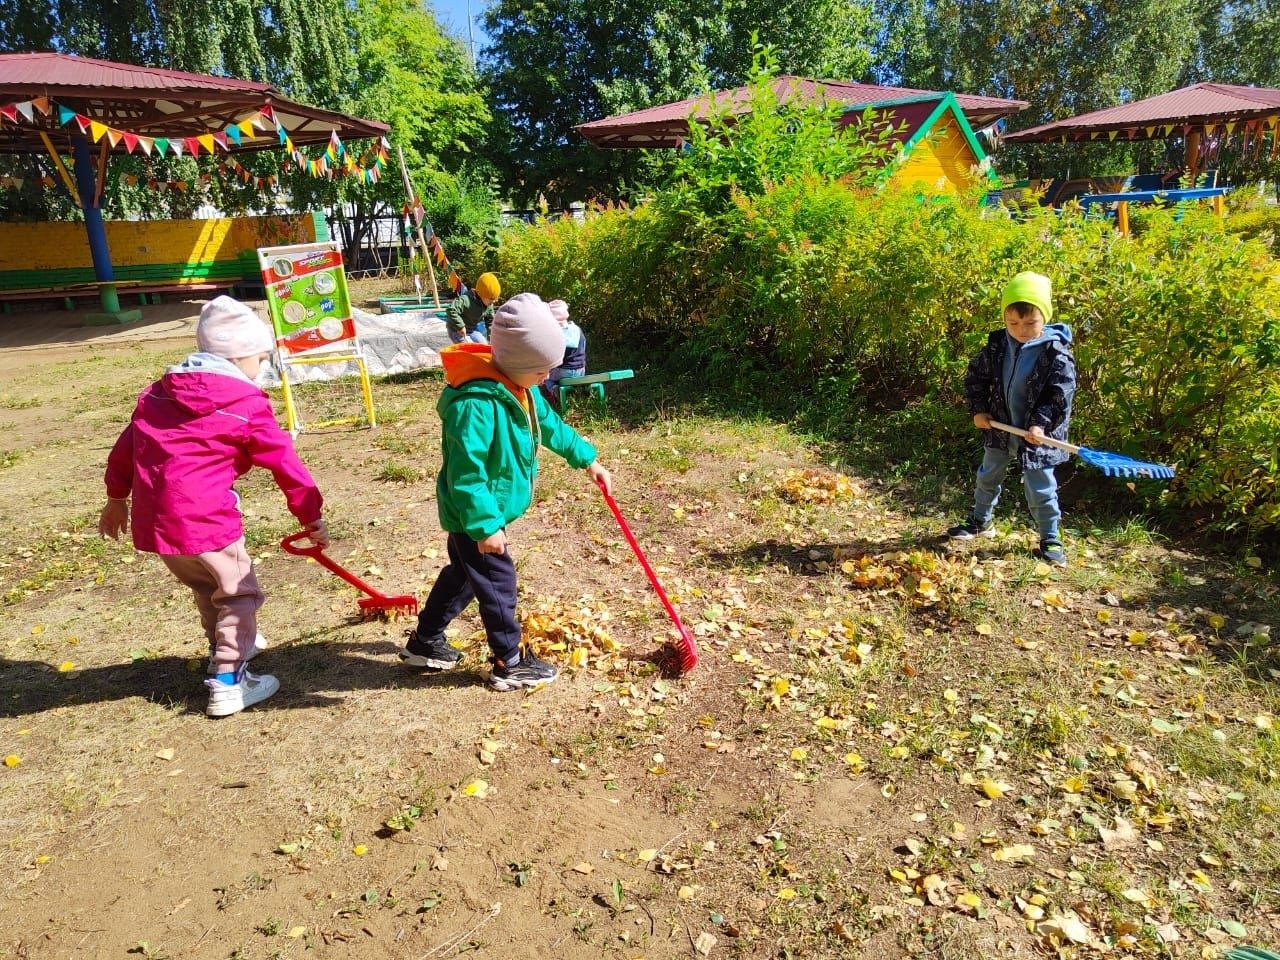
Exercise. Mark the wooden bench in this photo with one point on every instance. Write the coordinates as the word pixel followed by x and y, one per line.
pixel 593 381
pixel 147 292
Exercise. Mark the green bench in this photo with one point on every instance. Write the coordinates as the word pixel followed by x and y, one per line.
pixel 593 381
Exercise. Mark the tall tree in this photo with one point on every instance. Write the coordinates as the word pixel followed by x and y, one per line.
pixel 558 63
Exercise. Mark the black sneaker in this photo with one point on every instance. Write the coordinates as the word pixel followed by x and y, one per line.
pixel 972 528
pixel 528 671
pixel 1051 552
pixel 431 654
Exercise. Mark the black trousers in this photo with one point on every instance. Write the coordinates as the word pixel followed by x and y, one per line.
pixel 489 578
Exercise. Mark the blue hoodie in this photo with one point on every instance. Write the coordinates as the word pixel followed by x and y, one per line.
pixel 1019 360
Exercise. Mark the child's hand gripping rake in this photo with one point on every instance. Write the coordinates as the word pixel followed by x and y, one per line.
pixel 1111 464
pixel 688 649
pixel 375 602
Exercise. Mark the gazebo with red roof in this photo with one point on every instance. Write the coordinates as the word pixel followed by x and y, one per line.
pixel 1202 113
pixel 667 125
pixel 152 104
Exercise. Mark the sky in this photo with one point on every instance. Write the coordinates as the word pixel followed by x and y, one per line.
pixel 453 14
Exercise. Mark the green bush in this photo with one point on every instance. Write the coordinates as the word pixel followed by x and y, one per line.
pixel 1262 223
pixel 855 304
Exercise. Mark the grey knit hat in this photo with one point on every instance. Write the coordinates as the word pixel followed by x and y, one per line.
pixel 525 337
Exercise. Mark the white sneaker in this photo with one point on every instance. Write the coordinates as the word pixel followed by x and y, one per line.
pixel 228 698
pixel 259 644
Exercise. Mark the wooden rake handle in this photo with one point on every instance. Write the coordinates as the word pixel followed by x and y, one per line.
pixel 1019 432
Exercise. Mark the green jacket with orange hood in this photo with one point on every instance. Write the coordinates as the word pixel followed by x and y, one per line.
pixel 492 430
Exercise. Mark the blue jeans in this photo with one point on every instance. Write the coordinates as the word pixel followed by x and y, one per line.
pixel 478 335
pixel 1040 486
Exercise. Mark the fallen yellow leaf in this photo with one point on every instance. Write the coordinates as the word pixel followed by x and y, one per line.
pixel 476 788
pixel 360 849
pixel 787 893
pixel 295 932
pixel 799 754
pixel 66 666
pixel 994 789
pixel 12 760
pixel 1018 852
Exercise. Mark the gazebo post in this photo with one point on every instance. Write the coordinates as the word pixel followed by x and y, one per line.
pixel 90 204
pixel 1193 154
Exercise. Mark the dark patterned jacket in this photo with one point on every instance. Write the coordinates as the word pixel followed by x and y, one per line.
pixel 1050 389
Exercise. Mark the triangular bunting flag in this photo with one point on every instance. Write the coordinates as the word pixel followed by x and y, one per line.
pixel 18 182
pixel 1093 135
pixel 232 133
pixel 282 134
pixel 181 185
pixel 43 104
pixel 24 108
pixel 97 130
pixel 65 116
pixel 176 147
pixel 386 144
pixel 10 112
pixel 1151 131
pixel 221 140
pixel 268 112
pixel 130 141
pixel 114 136
pixel 161 144
pixel 82 122
pixel 248 126
pixel 1112 134
pixel 1167 129
pixel 206 141
pixel 1231 128
pixel 192 144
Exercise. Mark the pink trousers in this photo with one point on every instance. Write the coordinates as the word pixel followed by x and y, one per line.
pixel 228 597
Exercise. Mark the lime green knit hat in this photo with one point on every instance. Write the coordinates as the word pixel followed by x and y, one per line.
pixel 1029 287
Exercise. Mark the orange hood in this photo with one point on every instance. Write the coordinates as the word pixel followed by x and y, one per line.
pixel 464 362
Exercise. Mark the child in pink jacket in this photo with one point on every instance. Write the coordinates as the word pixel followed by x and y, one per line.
pixel 193 433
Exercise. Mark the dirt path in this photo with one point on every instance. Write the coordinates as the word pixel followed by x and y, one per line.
pixel 792 794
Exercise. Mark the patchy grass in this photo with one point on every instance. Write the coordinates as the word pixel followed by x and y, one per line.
pixel 889 748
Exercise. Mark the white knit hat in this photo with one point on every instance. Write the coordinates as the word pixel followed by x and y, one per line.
pixel 525 337
pixel 231 329
pixel 559 310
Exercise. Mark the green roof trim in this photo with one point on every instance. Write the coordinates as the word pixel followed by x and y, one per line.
pixel 947 103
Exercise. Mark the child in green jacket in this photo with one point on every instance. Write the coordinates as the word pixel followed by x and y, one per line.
pixel 494 420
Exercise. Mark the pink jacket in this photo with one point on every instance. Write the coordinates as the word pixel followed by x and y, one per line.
pixel 193 433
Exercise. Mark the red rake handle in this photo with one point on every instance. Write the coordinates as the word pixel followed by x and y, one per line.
pixel 648 570
pixel 316 552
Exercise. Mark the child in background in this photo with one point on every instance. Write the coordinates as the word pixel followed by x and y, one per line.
pixel 1026 377
pixel 193 433
pixel 574 363
pixel 469 314
pixel 493 424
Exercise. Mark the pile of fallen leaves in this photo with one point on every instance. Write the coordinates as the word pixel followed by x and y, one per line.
pixel 815 486
pixel 921 578
pixel 568 632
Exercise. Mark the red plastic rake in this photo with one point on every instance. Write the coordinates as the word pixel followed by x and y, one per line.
pixel 686 646
pixel 374 602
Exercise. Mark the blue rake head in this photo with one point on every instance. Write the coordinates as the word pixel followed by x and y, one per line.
pixel 1114 465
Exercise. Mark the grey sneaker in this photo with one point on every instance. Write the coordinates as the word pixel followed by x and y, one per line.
pixel 970 529
pixel 528 671
pixel 228 698
pixel 429 654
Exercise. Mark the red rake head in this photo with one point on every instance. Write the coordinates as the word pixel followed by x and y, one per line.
pixel 687 649
pixel 404 603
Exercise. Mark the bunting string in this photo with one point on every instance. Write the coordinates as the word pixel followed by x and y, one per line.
pixel 418 213
pixel 336 161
